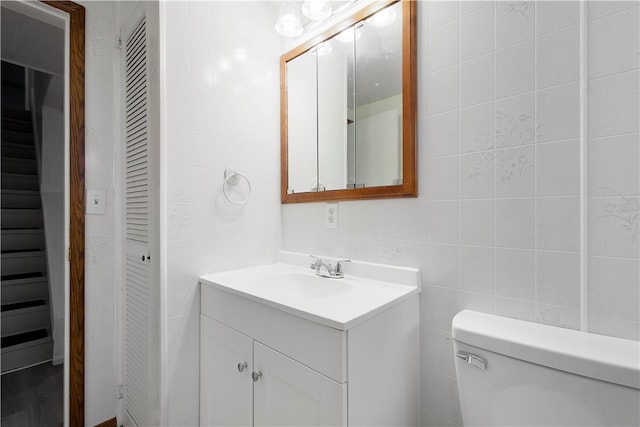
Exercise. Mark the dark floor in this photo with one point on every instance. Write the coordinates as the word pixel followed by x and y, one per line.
pixel 33 397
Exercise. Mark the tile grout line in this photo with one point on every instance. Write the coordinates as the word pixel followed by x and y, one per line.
pixel 583 171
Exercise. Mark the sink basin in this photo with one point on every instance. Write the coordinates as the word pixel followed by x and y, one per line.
pixel 290 285
pixel 306 285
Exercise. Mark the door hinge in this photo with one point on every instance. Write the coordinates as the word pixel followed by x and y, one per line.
pixel 69 254
pixel 119 43
pixel 120 391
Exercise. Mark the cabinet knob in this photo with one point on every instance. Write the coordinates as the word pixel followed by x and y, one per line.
pixel 256 376
pixel 242 366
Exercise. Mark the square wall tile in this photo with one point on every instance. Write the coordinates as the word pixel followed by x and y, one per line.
pixel 441 178
pixel 600 9
pixel 515 172
pixel 468 6
pixel 558 168
pixel 476 33
pixel 614 288
pixel 558 224
pixel 555 15
pixel 516 309
pixel 177 150
pixel 477 301
pixel 476 175
pixel 558 279
pixel 442 304
pixel 613 44
pixel 442 90
pixel 476 222
pixel 442 397
pixel 439 351
pixel 444 265
pixel 476 81
pixel 514 121
pixel 558 113
pixel 476 269
pixel 558 57
pixel 613 166
pixel 614 327
pixel 613 227
pixel 515 273
pixel 443 222
pixel 442 134
pixel 515 22
pixel 476 128
pixel 614 105
pixel 515 223
pixel 443 46
pixel 515 71
pixel 558 316
pixel 441 12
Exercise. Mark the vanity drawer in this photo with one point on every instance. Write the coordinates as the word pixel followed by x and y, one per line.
pixel 317 346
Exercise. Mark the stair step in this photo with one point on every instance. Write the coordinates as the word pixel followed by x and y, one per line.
pixel 20 199
pixel 27 353
pixel 17 290
pixel 22 305
pixel 22 239
pixel 16 137
pixel 20 181
pixel 18 165
pixel 23 263
pixel 25 319
pixel 10 149
pixel 15 124
pixel 12 113
pixel 22 276
pixel 24 337
pixel 21 218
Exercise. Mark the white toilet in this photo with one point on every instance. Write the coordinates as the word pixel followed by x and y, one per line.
pixel 516 373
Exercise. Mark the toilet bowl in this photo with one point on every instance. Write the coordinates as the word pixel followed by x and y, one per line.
pixel 516 373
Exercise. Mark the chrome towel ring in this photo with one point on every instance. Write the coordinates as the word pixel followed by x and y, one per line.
pixel 232 178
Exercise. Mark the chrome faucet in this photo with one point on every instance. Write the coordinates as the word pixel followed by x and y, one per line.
pixel 326 270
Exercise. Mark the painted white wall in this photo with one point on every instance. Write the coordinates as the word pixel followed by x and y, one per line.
pixel 102 284
pixel 221 109
pixel 497 224
pixel 52 188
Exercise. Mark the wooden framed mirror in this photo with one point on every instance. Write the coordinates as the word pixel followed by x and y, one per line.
pixel 348 109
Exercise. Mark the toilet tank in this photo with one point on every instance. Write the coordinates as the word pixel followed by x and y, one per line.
pixel 516 373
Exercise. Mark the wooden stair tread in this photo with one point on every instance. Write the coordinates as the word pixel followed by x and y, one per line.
pixel 22 305
pixel 24 337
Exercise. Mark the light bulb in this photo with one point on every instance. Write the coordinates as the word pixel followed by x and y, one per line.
pixel 383 17
pixel 316 10
pixel 289 23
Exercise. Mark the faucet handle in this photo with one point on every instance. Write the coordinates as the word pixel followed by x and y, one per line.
pixel 316 262
pixel 339 264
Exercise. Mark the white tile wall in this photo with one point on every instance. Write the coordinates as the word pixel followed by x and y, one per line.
pixel 499 133
pixel 222 98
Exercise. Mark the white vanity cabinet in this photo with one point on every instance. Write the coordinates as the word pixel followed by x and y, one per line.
pixel 330 353
pixel 244 382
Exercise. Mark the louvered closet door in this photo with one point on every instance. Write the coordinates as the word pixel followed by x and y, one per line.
pixel 141 321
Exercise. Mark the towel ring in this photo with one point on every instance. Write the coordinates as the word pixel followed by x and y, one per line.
pixel 232 177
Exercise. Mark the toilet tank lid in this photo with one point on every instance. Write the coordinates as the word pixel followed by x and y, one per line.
pixel 610 359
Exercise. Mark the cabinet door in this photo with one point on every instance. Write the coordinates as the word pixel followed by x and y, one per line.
pixel 225 383
pixel 291 394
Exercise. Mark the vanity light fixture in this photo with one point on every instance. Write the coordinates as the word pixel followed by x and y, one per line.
pixel 316 10
pixel 383 18
pixel 289 20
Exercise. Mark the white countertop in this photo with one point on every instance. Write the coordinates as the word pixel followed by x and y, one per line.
pixel 337 303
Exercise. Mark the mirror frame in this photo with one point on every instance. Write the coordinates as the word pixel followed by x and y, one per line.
pixel 409 186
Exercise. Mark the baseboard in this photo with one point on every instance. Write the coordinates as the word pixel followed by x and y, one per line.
pixel 109 423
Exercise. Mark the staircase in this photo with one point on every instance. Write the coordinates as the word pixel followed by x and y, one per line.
pixel 26 319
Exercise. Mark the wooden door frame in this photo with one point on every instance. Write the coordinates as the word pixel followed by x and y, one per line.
pixel 76 70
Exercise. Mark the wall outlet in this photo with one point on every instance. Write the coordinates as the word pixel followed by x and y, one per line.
pixel 331 215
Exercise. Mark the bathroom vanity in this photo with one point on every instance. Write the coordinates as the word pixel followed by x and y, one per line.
pixel 282 346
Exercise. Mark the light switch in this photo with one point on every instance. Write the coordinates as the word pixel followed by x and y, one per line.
pixel 96 202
